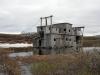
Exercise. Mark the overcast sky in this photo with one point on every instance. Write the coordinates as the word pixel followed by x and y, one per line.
pixel 23 15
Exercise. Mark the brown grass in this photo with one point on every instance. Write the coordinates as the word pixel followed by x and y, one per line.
pixel 69 64
pixel 10 67
pixel 16 49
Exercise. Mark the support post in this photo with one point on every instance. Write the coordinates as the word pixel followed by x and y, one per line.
pixel 51 19
pixel 41 21
pixel 46 21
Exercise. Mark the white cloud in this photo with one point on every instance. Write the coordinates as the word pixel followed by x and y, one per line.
pixel 17 15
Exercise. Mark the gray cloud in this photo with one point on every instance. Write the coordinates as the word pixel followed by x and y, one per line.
pixel 23 15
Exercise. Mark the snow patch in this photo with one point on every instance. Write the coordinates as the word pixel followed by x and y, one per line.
pixel 7 45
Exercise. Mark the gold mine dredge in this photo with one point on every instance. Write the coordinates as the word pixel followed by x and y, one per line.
pixel 57 38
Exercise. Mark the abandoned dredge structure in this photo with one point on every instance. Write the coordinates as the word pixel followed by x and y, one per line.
pixel 57 38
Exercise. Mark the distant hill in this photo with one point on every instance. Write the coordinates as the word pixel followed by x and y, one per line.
pixel 97 36
pixel 14 38
pixel 88 41
pixel 91 41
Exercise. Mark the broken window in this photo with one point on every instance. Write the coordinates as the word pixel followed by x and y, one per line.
pixel 66 39
pixel 54 39
pixel 69 30
pixel 59 30
pixel 49 28
pixel 70 39
pixel 39 42
pixel 41 34
pixel 41 28
pixel 64 29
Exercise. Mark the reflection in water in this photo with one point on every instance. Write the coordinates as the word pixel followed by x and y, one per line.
pixel 8 45
pixel 21 54
pixel 45 51
pixel 89 49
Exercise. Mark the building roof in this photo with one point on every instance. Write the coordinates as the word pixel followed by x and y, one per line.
pixel 62 23
pixel 56 24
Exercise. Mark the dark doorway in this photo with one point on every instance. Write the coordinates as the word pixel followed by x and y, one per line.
pixel 40 51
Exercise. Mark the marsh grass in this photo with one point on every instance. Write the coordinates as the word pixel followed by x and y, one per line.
pixel 69 64
pixel 7 65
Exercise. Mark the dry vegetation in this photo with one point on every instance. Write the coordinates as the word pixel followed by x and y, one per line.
pixel 62 64
pixel 7 65
pixel 17 49
pixel 69 64
pixel 13 38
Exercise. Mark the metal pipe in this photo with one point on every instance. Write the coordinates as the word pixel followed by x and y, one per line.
pixel 41 21
pixel 51 19
pixel 46 20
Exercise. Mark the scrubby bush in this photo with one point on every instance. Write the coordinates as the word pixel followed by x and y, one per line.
pixel 69 64
pixel 7 65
